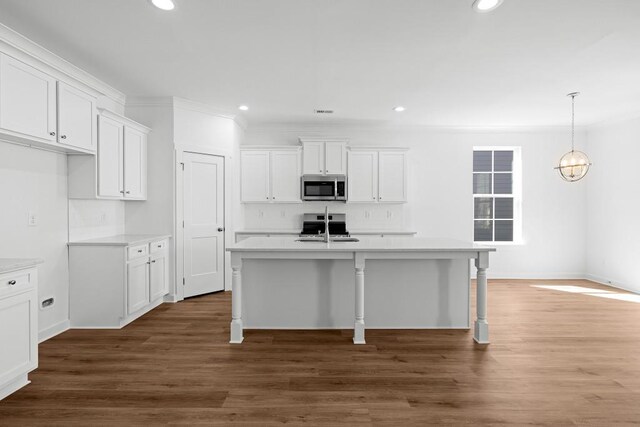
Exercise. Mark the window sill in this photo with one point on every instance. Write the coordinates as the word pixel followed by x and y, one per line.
pixel 515 243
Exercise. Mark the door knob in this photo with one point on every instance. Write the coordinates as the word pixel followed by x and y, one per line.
pixel 221 229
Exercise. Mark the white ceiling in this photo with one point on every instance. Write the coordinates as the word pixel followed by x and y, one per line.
pixel 448 65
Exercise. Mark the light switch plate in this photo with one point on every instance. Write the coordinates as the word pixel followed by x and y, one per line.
pixel 32 219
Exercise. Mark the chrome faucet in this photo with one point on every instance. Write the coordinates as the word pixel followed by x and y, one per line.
pixel 326 224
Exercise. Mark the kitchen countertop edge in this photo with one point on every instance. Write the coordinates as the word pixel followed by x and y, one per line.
pixel 8 265
pixel 120 240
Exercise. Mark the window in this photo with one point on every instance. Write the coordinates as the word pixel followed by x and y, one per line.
pixel 496 194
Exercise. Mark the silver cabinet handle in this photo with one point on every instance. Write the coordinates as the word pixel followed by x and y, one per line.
pixel 52 133
pixel 63 136
pixel 12 282
pixel 221 229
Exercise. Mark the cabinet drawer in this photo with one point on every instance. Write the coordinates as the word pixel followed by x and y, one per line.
pixel 16 280
pixel 138 251
pixel 158 246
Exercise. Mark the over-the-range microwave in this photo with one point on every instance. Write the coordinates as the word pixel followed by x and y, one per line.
pixel 324 187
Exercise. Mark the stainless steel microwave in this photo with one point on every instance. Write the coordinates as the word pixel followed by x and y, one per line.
pixel 324 187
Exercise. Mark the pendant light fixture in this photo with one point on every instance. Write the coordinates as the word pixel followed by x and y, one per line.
pixel 574 165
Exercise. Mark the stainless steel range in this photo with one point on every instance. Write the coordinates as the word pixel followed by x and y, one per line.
pixel 314 228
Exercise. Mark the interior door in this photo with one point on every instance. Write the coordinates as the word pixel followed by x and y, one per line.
pixel 203 224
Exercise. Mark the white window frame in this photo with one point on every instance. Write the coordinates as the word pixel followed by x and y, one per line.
pixel 516 194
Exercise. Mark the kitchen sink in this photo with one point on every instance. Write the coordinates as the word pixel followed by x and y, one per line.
pixel 331 239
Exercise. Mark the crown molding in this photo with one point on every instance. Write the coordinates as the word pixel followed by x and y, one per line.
pixel 127 121
pixel 16 45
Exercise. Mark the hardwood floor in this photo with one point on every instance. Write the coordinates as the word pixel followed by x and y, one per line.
pixel 555 358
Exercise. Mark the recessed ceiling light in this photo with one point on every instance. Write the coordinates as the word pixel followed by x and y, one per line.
pixel 163 4
pixel 399 109
pixel 243 108
pixel 483 6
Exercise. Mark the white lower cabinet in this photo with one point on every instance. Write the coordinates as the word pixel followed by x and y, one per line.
pixel 112 285
pixel 18 328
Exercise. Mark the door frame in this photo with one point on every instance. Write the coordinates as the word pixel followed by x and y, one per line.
pixel 179 216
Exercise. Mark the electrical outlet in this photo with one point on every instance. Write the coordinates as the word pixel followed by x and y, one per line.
pixel 32 219
pixel 367 214
pixel 283 214
pixel 260 214
pixel 102 219
pixel 389 214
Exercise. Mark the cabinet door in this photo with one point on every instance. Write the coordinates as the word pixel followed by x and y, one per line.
pixel 254 169
pixel 18 335
pixel 363 176
pixel 335 158
pixel 392 176
pixel 135 164
pixel 76 118
pixel 27 100
pixel 158 276
pixel 285 176
pixel 110 158
pixel 137 284
pixel 313 158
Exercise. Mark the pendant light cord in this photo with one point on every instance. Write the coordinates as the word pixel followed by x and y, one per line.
pixel 573 121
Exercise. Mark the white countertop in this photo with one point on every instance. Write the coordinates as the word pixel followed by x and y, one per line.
pixel 289 244
pixel 12 264
pixel 297 231
pixel 120 240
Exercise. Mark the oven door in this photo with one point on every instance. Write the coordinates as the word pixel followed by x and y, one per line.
pixel 318 189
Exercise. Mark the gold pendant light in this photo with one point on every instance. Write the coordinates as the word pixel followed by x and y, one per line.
pixel 574 165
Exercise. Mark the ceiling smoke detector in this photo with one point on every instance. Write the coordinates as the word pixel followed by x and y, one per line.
pixel 323 111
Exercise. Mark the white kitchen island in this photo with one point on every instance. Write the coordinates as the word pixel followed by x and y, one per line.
pixel 281 283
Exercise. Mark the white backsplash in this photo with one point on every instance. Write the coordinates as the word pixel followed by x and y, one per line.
pixel 89 219
pixel 360 217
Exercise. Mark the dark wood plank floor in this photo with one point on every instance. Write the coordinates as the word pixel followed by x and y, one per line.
pixel 556 358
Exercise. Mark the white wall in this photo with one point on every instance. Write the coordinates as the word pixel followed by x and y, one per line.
pixel 33 180
pixel 613 228
pixel 440 193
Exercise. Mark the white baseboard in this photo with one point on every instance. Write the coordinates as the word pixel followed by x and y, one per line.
pixel 603 281
pixel 54 330
pixel 171 298
pixel 528 276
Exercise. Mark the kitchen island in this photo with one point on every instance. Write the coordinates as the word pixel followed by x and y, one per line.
pixel 283 283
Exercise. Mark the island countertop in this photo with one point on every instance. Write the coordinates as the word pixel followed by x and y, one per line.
pixel 290 244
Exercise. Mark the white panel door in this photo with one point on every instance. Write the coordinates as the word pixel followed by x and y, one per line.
pixel 110 158
pixel 203 224
pixel 392 176
pixel 285 176
pixel 135 164
pixel 363 176
pixel 158 276
pixel 137 284
pixel 27 100
pixel 18 335
pixel 76 118
pixel 335 158
pixel 313 158
pixel 254 166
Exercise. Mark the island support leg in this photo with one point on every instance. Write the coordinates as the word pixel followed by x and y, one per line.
pixel 358 329
pixel 481 330
pixel 236 300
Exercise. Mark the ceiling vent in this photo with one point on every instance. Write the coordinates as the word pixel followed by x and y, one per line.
pixel 324 111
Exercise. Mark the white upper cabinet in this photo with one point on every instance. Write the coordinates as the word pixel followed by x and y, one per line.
pixel 377 175
pixel 255 176
pixel 119 171
pixel 362 182
pixel 110 158
pixel 27 100
pixel 135 164
pixel 392 176
pixel 285 175
pixel 271 175
pixel 76 118
pixel 324 157
pixel 335 158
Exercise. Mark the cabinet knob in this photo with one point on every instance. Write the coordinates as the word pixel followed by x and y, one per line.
pixel 122 191
pixel 221 229
pixel 12 282
pixel 380 198
pixel 153 261
pixel 63 136
pixel 128 192
pixel 139 251
pixel 52 133
pixel 148 262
